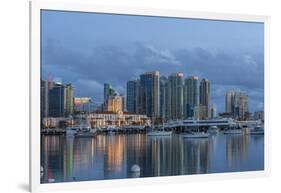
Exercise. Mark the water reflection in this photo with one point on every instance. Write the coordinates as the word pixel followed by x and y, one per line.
pixel 109 157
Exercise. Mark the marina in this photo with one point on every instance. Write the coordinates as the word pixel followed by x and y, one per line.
pixel 203 128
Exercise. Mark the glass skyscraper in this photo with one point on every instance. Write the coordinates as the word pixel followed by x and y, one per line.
pixel 132 96
pixel 205 97
pixel 57 100
pixel 175 96
pixel 190 96
pixel 149 94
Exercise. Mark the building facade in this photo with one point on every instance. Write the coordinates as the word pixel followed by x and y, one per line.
pixel 190 96
pixel 150 94
pixel 259 115
pixel 57 100
pixel 237 104
pixel 44 102
pixel 200 112
pixel 107 92
pixel 163 97
pixel 204 96
pixel 120 119
pixel 175 96
pixel 132 96
pixel 229 101
pixel 213 112
pixel 69 100
pixel 241 108
pixel 115 104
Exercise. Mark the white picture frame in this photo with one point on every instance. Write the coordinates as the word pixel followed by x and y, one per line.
pixel 36 6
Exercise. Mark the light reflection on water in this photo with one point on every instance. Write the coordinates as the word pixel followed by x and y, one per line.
pixel 111 157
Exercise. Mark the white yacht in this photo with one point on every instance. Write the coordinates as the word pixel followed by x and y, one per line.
pixel 87 133
pixel 71 131
pixel 258 130
pixel 85 130
pixel 233 131
pixel 196 135
pixel 159 133
pixel 213 130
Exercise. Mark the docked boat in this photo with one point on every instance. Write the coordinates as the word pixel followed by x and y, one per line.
pixel 71 131
pixel 213 130
pixel 233 131
pixel 196 135
pixel 159 133
pixel 258 130
pixel 85 130
pixel 87 133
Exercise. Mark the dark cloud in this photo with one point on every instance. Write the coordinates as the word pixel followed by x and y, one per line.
pixel 89 70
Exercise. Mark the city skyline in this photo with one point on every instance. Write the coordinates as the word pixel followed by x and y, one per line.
pixel 168 98
pixel 237 64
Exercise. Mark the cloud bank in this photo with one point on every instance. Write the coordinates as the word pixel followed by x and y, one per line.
pixel 88 71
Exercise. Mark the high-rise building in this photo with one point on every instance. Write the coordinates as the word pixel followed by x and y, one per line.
pixel 107 92
pixel 259 115
pixel 236 104
pixel 175 96
pixel 190 96
pixel 149 94
pixel 163 97
pixel 69 100
pixel 229 102
pixel 44 106
pixel 204 96
pixel 132 96
pixel 213 112
pixel 241 107
pixel 200 111
pixel 57 100
pixel 115 104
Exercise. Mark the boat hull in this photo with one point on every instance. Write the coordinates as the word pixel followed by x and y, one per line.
pixel 256 133
pixel 159 133
pixel 196 135
pixel 229 132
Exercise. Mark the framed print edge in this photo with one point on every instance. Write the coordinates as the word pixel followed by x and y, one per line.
pixel 34 78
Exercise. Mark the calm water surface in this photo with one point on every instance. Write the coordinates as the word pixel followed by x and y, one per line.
pixel 67 159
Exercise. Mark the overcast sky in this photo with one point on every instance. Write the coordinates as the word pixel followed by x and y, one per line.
pixel 87 50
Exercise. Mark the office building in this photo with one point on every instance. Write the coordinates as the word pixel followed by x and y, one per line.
pixel 213 112
pixel 204 96
pixel 163 97
pixel 107 92
pixel 229 102
pixel 149 94
pixel 69 100
pixel 57 100
pixel 200 112
pixel 259 115
pixel 175 96
pixel 120 119
pixel 241 108
pixel 190 96
pixel 115 104
pixel 132 96
pixel 44 104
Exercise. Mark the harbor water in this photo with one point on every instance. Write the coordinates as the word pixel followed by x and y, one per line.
pixel 69 158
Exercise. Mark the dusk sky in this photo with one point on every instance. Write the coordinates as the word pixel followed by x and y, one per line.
pixel 88 50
